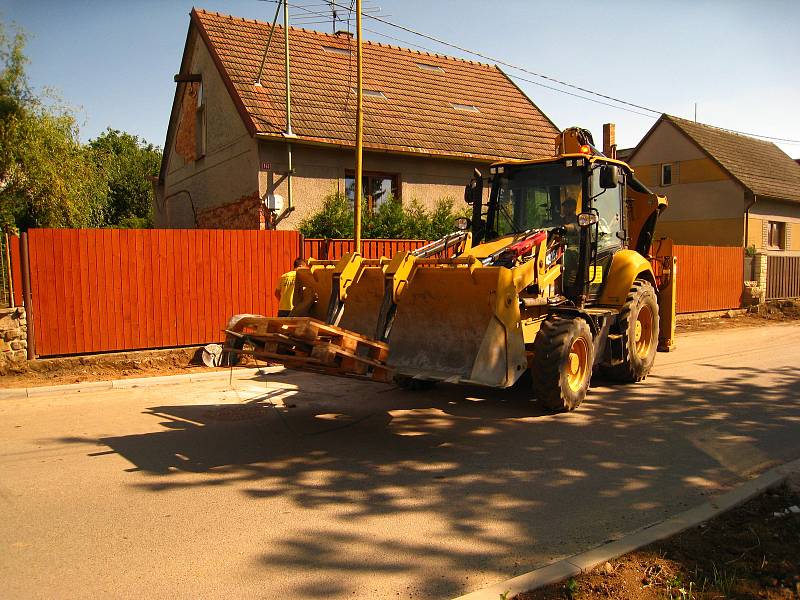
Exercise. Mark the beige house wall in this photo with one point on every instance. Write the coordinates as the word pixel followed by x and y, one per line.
pixel 229 170
pixel 319 171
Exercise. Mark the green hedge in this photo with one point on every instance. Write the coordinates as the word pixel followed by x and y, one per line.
pixel 392 220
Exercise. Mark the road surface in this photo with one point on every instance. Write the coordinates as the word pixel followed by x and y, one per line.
pixel 297 485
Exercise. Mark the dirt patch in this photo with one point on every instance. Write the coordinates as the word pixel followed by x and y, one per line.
pixel 750 552
pixel 102 367
pixel 774 311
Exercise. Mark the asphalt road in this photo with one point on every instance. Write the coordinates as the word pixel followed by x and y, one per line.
pixel 302 486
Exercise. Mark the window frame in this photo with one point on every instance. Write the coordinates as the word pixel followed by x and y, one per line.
pixel 369 176
pixel 780 230
pixel 662 181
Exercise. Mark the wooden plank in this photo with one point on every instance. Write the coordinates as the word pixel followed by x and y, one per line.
pixel 85 342
pixel 16 268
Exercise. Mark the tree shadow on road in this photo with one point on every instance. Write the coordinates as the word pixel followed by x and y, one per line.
pixel 427 489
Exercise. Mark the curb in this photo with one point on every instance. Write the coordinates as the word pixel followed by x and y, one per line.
pixel 586 561
pixel 122 384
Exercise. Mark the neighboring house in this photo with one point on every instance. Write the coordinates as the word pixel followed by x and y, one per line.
pixel 429 120
pixel 724 189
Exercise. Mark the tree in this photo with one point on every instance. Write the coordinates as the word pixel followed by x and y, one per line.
pixel 128 162
pixel 46 176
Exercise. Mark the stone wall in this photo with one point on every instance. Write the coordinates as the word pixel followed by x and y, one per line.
pixel 13 335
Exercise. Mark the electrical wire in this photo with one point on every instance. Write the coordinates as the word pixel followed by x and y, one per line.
pixel 632 105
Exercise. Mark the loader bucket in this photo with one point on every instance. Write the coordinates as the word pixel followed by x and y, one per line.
pixel 460 325
pixel 363 304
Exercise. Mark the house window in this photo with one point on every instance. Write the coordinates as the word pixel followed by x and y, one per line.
pixel 776 235
pixel 666 174
pixel 200 123
pixel 376 187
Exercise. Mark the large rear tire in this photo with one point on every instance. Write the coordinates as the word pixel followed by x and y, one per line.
pixel 638 324
pixel 562 363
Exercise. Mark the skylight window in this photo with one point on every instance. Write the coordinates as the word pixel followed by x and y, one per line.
pixel 370 93
pixel 335 50
pixel 426 67
pixel 465 107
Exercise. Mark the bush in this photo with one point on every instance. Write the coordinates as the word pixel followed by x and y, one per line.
pixel 392 220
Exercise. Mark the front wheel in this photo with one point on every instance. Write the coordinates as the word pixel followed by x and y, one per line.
pixel 562 363
pixel 638 324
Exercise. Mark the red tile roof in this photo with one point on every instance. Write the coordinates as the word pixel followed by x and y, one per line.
pixel 420 112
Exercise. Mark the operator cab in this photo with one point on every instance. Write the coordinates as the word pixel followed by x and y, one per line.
pixel 579 199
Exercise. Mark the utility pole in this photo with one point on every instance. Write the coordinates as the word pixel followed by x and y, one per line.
pixel 359 137
pixel 289 133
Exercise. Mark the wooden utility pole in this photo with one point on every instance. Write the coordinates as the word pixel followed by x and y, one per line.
pixel 359 137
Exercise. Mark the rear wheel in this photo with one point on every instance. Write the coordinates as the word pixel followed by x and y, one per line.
pixel 638 324
pixel 562 363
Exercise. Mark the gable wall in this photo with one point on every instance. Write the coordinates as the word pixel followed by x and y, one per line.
pixel 706 206
pixel 221 188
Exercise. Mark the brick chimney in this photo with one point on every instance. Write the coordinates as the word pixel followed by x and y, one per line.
pixel 610 140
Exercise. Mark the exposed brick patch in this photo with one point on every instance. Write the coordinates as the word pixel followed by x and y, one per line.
pixel 185 137
pixel 245 213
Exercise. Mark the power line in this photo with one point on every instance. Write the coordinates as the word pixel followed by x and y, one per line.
pixel 553 79
pixel 498 61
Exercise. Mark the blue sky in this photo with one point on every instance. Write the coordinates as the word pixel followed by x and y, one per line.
pixel 114 60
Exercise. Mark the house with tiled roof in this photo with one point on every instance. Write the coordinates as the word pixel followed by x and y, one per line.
pixel 724 189
pixel 429 120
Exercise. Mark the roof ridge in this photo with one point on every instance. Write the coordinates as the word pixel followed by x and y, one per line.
pixel 718 129
pixel 337 37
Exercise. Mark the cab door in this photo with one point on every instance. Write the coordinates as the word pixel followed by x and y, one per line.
pixel 607 235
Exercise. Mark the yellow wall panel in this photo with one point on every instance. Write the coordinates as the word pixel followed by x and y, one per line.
pixel 647 174
pixel 703 169
pixel 755 233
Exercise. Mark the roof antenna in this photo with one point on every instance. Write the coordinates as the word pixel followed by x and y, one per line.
pixel 257 82
pixel 695 112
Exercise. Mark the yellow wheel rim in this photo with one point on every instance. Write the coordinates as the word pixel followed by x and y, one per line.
pixel 643 331
pixel 577 364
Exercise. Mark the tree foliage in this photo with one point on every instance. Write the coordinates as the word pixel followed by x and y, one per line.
pixel 47 177
pixel 392 220
pixel 127 162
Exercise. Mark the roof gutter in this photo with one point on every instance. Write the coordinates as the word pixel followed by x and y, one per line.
pixel 482 159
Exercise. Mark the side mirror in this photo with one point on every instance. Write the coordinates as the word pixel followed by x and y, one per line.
pixel 586 219
pixel 609 176
pixel 473 192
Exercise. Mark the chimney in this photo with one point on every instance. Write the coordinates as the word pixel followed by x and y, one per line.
pixel 609 140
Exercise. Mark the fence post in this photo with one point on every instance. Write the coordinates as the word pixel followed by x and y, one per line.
pixel 26 293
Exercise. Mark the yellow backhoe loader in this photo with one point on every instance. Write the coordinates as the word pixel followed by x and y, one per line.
pixel 554 273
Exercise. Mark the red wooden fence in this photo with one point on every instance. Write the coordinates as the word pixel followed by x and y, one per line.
pixel 335 249
pixel 96 290
pixel 709 278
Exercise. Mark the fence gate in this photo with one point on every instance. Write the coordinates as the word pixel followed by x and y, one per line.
pixel 709 278
pixel 783 277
